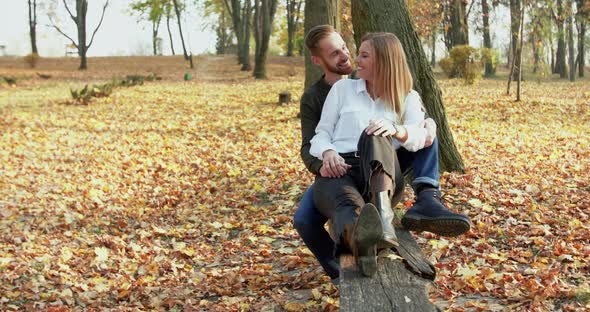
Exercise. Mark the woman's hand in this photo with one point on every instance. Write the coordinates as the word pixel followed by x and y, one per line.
pixel 333 165
pixel 430 126
pixel 380 127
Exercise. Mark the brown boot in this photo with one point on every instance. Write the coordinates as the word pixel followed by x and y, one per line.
pixel 382 202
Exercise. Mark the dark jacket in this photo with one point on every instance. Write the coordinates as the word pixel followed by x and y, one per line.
pixel 312 102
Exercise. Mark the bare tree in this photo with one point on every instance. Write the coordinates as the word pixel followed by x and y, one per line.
pixel 80 20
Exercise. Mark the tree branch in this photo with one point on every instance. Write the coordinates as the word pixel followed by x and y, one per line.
pixel 229 9
pixel 469 10
pixel 61 32
pixel 104 8
pixel 75 18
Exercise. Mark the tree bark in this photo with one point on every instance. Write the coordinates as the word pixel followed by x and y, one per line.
pixel 487 40
pixel 155 29
pixel 570 40
pixel 519 54
pixel 560 64
pixel 393 16
pixel 394 287
pixel 433 52
pixel 177 10
pixel 265 12
pixel 33 25
pixel 170 32
pixel 293 10
pixel 457 32
pixel 515 8
pixel 582 16
pixel 246 22
pixel 318 12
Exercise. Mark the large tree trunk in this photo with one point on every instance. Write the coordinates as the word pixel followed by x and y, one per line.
pixel 33 25
pixel 515 8
pixel 393 16
pixel 560 64
pixel 458 32
pixel 177 10
pixel 487 40
pixel 170 33
pixel 570 40
pixel 265 12
pixel 318 12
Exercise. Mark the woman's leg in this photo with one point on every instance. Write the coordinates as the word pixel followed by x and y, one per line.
pixel 382 180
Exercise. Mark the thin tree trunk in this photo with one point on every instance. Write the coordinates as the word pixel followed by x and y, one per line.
pixel 265 15
pixel 318 12
pixel 519 54
pixel 33 25
pixel 515 12
pixel 155 28
pixel 393 16
pixel 170 33
pixel 293 10
pixel 487 40
pixel 246 22
pixel 81 10
pixel 177 10
pixel 560 64
pixel 570 40
pixel 433 52
pixel 457 32
pixel 582 16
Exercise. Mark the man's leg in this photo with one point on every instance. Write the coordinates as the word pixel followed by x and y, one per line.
pixel 309 223
pixel 429 213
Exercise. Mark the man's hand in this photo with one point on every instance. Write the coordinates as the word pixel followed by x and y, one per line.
pixel 430 126
pixel 333 165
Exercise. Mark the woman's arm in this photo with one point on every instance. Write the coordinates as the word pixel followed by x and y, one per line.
pixel 411 136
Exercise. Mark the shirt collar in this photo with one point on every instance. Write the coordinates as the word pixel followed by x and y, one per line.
pixel 361 85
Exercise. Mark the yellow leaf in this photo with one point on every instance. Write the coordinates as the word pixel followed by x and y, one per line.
pixel 102 254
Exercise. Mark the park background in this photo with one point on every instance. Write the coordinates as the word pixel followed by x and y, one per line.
pixel 143 183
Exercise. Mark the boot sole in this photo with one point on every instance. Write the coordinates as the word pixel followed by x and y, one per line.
pixel 449 227
pixel 367 234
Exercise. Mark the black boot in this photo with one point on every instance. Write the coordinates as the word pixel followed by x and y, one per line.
pixel 382 202
pixel 367 232
pixel 431 215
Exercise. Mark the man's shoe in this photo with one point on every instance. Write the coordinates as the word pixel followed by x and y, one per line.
pixel 431 215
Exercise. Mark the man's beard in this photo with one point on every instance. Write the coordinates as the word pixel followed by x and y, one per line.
pixel 338 70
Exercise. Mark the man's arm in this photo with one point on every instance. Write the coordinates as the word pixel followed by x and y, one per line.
pixel 310 110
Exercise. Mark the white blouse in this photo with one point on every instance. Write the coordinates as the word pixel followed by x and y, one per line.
pixel 347 111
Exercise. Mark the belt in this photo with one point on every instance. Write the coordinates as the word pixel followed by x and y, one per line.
pixel 350 155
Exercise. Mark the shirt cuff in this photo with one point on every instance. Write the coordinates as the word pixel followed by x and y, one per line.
pixel 416 138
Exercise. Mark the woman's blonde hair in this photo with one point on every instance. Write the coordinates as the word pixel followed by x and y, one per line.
pixel 392 79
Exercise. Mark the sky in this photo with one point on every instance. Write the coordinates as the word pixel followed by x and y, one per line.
pixel 120 33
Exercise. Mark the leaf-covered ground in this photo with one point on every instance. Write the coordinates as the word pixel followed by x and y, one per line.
pixel 179 195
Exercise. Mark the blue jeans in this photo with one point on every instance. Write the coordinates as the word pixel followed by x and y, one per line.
pixel 309 222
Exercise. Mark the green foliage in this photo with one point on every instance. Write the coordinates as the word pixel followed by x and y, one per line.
pixel 489 56
pixel 463 62
pixel 9 80
pixel 32 59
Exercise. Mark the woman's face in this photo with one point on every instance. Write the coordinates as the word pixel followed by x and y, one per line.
pixel 364 61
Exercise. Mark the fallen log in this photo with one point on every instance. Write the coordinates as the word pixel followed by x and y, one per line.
pixel 400 283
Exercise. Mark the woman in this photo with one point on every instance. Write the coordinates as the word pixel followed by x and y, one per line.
pixel 358 119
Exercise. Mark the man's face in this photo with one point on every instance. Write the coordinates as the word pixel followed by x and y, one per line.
pixel 334 55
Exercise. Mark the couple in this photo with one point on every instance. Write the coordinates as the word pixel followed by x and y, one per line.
pixel 359 137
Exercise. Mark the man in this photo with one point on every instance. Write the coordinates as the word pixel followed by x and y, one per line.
pixel 328 50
